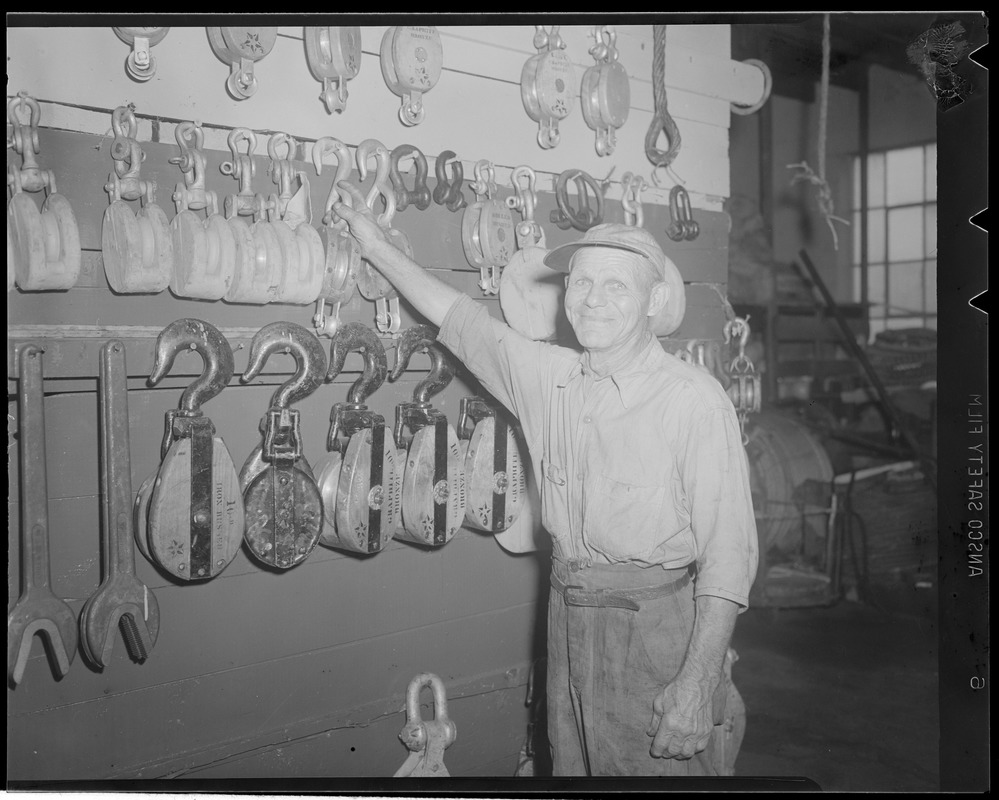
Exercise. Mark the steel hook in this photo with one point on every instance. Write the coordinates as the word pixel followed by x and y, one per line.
pixel 382 186
pixel 423 338
pixel 310 360
pixel 355 337
pixel 320 150
pixel 204 338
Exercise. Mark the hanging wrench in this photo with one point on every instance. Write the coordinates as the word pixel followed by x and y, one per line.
pixel 122 599
pixel 38 610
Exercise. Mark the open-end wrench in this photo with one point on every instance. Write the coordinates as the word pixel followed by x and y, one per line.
pixel 37 610
pixel 121 600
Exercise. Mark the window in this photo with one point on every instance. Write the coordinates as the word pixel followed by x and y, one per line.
pixel 901 214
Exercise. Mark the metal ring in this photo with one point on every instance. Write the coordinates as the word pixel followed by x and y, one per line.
pixel 767 88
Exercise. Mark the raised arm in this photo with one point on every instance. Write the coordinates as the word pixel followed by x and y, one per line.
pixel 428 295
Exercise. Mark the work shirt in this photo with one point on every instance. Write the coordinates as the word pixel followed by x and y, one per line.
pixel 643 466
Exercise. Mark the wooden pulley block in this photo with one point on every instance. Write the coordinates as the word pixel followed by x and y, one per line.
pixel 140 516
pixel 605 92
pixel 367 500
pixel 137 248
pixel 343 264
pixel 241 47
pixel 411 60
pixel 259 262
pixel 547 85
pixel 495 477
pixel 46 243
pixel 140 64
pixel 531 295
pixel 284 516
pixel 204 256
pixel 334 55
pixel 488 233
pixel 11 259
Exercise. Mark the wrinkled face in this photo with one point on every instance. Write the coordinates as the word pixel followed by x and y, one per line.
pixel 609 297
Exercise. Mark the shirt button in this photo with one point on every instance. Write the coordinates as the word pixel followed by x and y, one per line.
pixel 587 420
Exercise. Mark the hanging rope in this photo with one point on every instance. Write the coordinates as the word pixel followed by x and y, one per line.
pixel 806 173
pixel 661 121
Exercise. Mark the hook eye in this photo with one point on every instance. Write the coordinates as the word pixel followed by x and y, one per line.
pixel 310 360
pixel 205 338
pixel 423 338
pixel 355 337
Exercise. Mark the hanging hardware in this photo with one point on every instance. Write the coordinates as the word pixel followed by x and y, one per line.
pixel 585 217
pixel 411 60
pixel 546 85
pixel 682 224
pixel 488 235
pixel 426 739
pixel 631 199
pixel 137 247
pixel 449 193
pixel 43 247
pixel 140 64
pixel 334 56
pixel 419 195
pixel 768 82
pixel 241 48
pixel 661 121
pixel 605 92
pixel 745 387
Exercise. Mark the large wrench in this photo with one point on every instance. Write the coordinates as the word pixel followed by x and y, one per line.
pixel 121 599
pixel 37 610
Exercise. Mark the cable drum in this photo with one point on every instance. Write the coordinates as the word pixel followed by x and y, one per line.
pixel 786 464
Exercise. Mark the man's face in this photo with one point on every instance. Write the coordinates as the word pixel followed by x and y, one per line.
pixel 608 297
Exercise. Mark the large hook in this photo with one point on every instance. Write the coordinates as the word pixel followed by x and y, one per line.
pixel 423 338
pixel 419 196
pixel 205 338
pixel 320 150
pixel 382 184
pixel 310 359
pixel 355 337
pixel 445 193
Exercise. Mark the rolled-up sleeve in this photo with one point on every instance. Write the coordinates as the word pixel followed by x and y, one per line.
pixel 715 476
pixel 509 366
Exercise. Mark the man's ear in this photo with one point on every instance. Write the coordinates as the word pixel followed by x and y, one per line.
pixel 567 280
pixel 658 297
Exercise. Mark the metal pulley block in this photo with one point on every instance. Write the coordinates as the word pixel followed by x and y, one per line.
pixel 433 475
pixel 334 55
pixel 358 480
pixel 370 282
pixel 241 47
pixel 605 93
pixel 419 195
pixel 682 225
pixel 342 255
pixel 284 509
pixel 189 518
pixel 204 249
pixel 530 293
pixel 140 64
pixel 137 247
pixel 495 477
pixel 411 59
pixel 426 739
pixel 448 193
pixel 585 217
pixel 745 388
pixel 631 199
pixel 43 247
pixel 487 230
pixel 259 265
pixel 547 85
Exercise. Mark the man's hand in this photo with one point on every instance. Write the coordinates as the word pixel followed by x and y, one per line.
pixel 362 222
pixel 681 720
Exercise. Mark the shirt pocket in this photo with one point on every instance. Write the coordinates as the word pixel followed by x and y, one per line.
pixel 626 521
pixel 554 499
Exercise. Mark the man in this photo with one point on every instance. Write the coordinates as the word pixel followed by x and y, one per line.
pixel 644 484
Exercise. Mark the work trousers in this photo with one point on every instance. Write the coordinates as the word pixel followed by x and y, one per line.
pixel 605 668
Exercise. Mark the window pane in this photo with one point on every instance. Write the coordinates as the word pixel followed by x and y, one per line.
pixel 904 178
pixel 877 325
pixel 895 323
pixel 905 233
pixel 876 236
pixel 931 286
pixel 931 172
pixel 876 180
pixel 856 182
pixel 876 287
pixel 905 288
pixel 856 284
pixel 930 230
pixel 931 323
pixel 855 227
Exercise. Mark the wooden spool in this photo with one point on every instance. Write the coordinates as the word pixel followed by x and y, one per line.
pixel 204 256
pixel 137 248
pixel 46 243
pixel 173 538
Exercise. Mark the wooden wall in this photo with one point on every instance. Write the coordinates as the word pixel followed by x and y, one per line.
pixel 303 673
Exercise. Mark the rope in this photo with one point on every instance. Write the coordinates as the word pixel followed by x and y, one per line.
pixel 806 173
pixel 661 120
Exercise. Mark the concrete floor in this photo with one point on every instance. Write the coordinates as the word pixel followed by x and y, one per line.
pixel 844 695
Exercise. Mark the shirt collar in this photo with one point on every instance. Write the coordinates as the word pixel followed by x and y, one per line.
pixel 625 378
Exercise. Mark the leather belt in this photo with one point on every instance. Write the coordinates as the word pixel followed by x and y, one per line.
pixel 575 595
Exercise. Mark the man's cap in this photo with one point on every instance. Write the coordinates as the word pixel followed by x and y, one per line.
pixel 634 240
